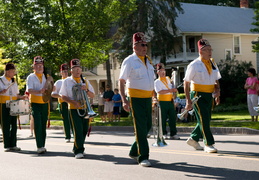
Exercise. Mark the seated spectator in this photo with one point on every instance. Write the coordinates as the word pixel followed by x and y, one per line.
pixel 180 107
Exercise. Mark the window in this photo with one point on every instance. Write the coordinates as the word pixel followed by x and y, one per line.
pixel 191 45
pixel 228 54
pixel 237 48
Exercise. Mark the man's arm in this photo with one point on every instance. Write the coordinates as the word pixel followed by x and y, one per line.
pixel 32 91
pixel 68 100
pixel 217 92
pixel 165 91
pixel 188 105
pixel 53 94
pixel 125 102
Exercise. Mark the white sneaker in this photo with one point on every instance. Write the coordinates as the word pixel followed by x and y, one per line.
pixel 15 148
pixel 7 149
pixel 41 150
pixel 194 144
pixel 210 149
pixel 145 163
pixel 134 157
pixel 79 156
pixel 165 137
pixel 175 137
pixel 67 140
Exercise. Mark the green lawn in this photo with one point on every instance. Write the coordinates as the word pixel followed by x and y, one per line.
pixel 239 118
pixel 241 115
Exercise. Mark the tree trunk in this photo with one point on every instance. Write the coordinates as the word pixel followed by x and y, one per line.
pixel 108 73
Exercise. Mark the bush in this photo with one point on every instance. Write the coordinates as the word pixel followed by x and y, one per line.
pixel 234 75
pixel 228 108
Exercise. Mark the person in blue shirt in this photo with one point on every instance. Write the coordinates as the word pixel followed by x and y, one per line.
pixel 117 105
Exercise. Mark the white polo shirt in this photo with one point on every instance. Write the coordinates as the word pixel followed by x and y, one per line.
pixel 67 85
pixel 58 85
pixel 11 93
pixel 137 75
pixel 159 85
pixel 33 82
pixel 197 74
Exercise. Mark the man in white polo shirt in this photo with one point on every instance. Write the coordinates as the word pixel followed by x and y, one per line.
pixel 63 106
pixel 9 91
pixel 35 85
pixel 138 74
pixel 201 79
pixel 79 123
pixel 165 90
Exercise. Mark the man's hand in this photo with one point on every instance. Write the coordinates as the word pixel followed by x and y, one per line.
pixel 126 105
pixel 188 105
pixel 3 91
pixel 217 100
pixel 42 91
pixel 75 103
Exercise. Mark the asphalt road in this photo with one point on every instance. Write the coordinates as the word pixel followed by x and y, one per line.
pixel 106 157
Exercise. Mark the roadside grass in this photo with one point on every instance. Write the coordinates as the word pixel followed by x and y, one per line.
pixel 238 118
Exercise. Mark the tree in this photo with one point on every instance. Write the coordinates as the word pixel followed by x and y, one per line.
pixel 156 19
pixel 58 30
pixel 256 29
pixel 232 3
pixel 2 62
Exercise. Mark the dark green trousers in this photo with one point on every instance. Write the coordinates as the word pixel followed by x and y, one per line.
pixel 40 116
pixel 142 118
pixel 203 115
pixel 80 129
pixel 63 109
pixel 168 112
pixel 9 127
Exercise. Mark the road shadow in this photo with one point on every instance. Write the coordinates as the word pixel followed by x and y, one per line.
pixel 47 154
pixel 239 154
pixel 239 142
pixel 115 133
pixel 103 157
pixel 107 144
pixel 111 158
pixel 206 172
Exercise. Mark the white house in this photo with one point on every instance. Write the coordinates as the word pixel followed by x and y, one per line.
pixel 226 28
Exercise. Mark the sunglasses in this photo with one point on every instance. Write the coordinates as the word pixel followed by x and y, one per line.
pixel 207 50
pixel 143 45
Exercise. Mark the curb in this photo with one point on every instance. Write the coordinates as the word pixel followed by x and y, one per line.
pixel 215 130
pixel 223 130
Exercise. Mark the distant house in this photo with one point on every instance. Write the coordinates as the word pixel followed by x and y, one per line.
pixel 98 78
pixel 226 28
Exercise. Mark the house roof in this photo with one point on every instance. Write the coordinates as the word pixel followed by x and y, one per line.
pixel 215 19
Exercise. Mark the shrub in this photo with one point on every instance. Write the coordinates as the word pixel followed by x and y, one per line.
pixel 228 108
pixel 234 75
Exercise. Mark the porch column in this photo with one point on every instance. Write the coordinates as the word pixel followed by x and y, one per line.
pixel 184 48
pixel 176 77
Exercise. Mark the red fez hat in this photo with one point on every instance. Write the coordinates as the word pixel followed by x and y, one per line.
pixel 139 37
pixel 37 60
pixel 9 66
pixel 63 67
pixel 75 63
pixel 160 66
pixel 202 43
